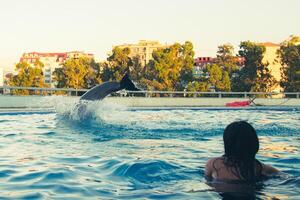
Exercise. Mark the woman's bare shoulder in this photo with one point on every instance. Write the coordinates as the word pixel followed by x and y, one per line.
pixel 212 160
pixel 211 164
pixel 268 170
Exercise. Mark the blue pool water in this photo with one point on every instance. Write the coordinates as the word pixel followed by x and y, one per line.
pixel 113 152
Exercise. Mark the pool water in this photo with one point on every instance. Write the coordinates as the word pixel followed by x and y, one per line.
pixel 114 152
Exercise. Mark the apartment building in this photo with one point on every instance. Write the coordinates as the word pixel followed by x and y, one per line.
pixel 270 57
pixel 202 62
pixel 143 50
pixel 51 61
pixel 1 76
pixel 274 66
pixel 200 66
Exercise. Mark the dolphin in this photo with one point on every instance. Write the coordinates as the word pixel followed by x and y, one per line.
pixel 99 92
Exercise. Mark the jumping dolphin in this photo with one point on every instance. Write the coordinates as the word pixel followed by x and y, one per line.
pixel 99 92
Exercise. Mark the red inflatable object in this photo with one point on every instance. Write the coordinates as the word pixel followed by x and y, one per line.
pixel 238 104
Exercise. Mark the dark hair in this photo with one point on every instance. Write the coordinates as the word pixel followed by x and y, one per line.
pixel 241 145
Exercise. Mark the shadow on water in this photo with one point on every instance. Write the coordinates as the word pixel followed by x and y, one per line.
pixel 109 121
pixel 103 131
pixel 150 177
pixel 268 188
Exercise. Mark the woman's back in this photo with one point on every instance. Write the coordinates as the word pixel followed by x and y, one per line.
pixel 218 169
pixel 241 145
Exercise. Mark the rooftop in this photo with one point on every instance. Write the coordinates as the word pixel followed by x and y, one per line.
pixel 269 44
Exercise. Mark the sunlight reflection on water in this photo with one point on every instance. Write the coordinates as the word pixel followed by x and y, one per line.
pixel 126 153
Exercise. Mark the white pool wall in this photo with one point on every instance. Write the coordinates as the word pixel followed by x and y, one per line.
pixel 47 102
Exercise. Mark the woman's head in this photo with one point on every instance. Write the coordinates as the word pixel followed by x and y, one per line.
pixel 240 141
pixel 241 145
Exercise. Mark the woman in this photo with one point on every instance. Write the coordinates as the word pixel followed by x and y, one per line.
pixel 238 163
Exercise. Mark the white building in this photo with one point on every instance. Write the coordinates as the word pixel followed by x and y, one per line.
pixel 143 50
pixel 50 64
pixel 274 66
pixel 1 76
pixel 51 61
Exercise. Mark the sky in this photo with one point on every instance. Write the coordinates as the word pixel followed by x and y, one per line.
pixel 94 26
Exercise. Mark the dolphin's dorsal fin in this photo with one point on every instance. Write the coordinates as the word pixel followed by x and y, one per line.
pixel 127 84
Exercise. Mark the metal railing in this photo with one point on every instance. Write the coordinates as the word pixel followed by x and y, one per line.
pixel 10 90
pixel 13 90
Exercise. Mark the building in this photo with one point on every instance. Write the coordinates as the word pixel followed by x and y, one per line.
pixel 293 39
pixel 274 66
pixel 51 61
pixel 270 57
pixel 143 50
pixel 240 61
pixel 1 76
pixel 200 66
pixel 202 62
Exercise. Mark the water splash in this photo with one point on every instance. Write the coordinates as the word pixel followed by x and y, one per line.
pixel 132 153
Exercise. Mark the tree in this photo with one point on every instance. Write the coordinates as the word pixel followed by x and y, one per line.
pixel 218 78
pixel 151 84
pixel 137 70
pixel 197 86
pixel 188 63
pixel 28 76
pixel 60 78
pixel 227 59
pixel 93 76
pixel 77 73
pixel 117 64
pixel 289 54
pixel 255 75
pixel 165 66
pixel 171 67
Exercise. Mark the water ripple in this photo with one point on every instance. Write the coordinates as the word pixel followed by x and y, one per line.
pixel 131 153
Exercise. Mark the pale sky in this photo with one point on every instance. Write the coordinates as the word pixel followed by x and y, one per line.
pixel 94 26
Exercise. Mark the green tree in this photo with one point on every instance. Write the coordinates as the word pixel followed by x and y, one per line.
pixel 293 39
pixel 255 75
pixel 93 76
pixel 218 78
pixel 289 54
pixel 28 76
pixel 171 68
pixel 197 86
pixel 117 64
pixel 165 66
pixel 77 73
pixel 151 84
pixel 227 59
pixel 60 78
pixel 137 70
pixel 188 63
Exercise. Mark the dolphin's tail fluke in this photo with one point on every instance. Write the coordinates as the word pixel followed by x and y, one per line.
pixel 127 84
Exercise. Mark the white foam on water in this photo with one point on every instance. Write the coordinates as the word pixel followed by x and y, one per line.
pixel 99 112
pixel 74 109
